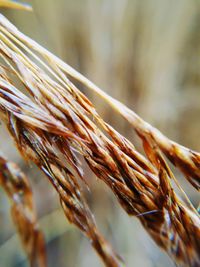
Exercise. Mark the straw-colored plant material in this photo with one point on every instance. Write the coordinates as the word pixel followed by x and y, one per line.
pixel 55 122
pixel 16 185
pixel 15 5
pixel 52 153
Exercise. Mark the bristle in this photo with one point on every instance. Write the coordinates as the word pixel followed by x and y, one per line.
pixel 57 115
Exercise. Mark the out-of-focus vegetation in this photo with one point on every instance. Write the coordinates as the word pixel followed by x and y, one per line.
pixel 144 53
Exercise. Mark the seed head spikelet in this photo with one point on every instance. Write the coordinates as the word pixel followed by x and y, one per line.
pixel 54 121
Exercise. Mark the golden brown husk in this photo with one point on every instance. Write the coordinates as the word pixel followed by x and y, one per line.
pixel 56 121
pixel 16 185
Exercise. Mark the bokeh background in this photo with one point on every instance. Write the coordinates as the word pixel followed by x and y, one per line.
pixel 145 53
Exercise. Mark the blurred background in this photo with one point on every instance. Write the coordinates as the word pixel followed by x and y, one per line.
pixel 147 55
